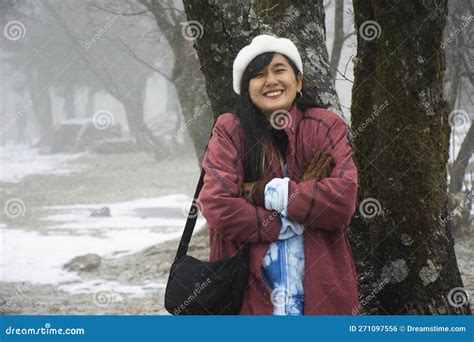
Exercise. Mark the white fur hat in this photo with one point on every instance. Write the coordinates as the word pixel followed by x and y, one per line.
pixel 260 44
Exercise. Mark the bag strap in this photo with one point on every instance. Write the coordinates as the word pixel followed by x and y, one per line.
pixel 193 213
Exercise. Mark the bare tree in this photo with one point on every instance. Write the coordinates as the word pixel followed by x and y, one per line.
pixel 459 81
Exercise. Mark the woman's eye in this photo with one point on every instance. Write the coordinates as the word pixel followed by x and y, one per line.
pixel 280 70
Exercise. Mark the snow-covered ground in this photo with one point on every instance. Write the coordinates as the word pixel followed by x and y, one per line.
pixel 38 257
pixel 19 161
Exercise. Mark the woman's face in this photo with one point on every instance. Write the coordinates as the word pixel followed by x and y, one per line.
pixel 275 86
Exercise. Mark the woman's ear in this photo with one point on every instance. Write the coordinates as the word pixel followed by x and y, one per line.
pixel 300 81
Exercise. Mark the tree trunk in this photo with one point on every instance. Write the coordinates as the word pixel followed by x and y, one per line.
pixel 186 75
pixel 69 109
pixel 41 100
pixel 90 104
pixel 227 26
pixel 403 246
pixel 459 80
pixel 338 37
pixel 459 168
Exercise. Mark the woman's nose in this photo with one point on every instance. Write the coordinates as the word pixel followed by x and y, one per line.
pixel 271 79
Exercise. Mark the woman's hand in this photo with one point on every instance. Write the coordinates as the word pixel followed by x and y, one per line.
pixel 318 167
pixel 254 192
pixel 247 191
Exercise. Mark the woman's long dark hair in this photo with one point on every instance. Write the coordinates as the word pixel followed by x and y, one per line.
pixel 254 123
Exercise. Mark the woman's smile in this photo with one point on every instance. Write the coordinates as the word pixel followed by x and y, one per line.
pixel 273 94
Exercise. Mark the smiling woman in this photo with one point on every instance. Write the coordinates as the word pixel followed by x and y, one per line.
pixel 279 175
pixel 275 86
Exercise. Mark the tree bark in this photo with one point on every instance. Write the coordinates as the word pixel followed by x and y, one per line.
pixel 230 25
pixel 403 246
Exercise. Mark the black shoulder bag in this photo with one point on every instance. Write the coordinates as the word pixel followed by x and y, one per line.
pixel 198 287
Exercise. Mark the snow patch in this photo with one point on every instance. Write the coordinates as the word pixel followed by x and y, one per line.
pixel 20 161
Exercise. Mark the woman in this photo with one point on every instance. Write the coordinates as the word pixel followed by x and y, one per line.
pixel 279 174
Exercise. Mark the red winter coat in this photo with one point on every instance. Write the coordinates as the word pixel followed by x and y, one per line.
pixel 324 207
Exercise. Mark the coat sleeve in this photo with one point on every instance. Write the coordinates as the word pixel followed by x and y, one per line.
pixel 327 204
pixel 220 199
